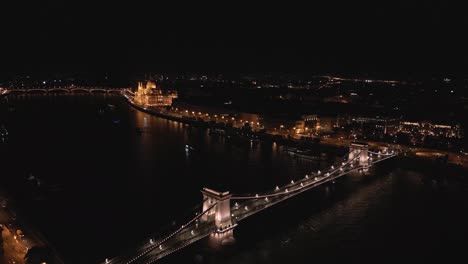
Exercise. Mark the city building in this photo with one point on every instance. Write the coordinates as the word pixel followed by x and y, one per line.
pixel 431 129
pixel 149 94
pixel 313 124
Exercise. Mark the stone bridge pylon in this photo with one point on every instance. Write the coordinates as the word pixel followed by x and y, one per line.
pixel 221 211
pixel 361 150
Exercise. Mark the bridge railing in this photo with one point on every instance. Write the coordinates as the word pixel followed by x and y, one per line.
pixel 69 89
pixel 203 232
pixel 277 191
pixel 246 205
pixel 252 204
pixel 257 203
pixel 156 241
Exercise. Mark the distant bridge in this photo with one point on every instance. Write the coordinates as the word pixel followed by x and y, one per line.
pixel 69 89
pixel 220 212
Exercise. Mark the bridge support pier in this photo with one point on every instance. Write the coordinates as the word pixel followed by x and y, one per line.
pixel 221 211
pixel 361 149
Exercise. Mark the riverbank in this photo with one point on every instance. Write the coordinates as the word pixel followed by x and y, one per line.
pixel 157 113
pixel 274 135
pixel 228 130
pixel 19 236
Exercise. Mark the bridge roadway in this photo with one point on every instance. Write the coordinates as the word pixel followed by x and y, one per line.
pixel 207 222
pixel 69 89
pixel 249 205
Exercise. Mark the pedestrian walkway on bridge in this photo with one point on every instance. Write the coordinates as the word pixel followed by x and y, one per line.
pixel 221 212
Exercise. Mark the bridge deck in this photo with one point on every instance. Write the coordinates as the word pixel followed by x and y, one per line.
pixel 250 205
pixel 63 89
pixel 244 207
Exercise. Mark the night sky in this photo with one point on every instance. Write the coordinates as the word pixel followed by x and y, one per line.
pixel 392 38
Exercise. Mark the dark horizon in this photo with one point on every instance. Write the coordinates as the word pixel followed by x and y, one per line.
pixel 387 40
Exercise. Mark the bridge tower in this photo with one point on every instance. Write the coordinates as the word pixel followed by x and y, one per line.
pixel 361 149
pixel 221 211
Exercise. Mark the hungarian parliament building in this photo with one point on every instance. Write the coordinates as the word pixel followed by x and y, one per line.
pixel 148 94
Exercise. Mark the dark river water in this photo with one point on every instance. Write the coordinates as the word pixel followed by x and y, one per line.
pixel 105 187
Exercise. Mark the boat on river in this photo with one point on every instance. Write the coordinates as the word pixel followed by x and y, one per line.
pixel 302 153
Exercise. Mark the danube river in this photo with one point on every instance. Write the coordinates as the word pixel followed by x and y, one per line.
pixel 111 175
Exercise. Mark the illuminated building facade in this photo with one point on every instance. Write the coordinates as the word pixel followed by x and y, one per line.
pixel 314 124
pixel 431 129
pixel 148 94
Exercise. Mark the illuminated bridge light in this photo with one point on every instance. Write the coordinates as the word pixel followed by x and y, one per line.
pixel 180 238
pixel 342 163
